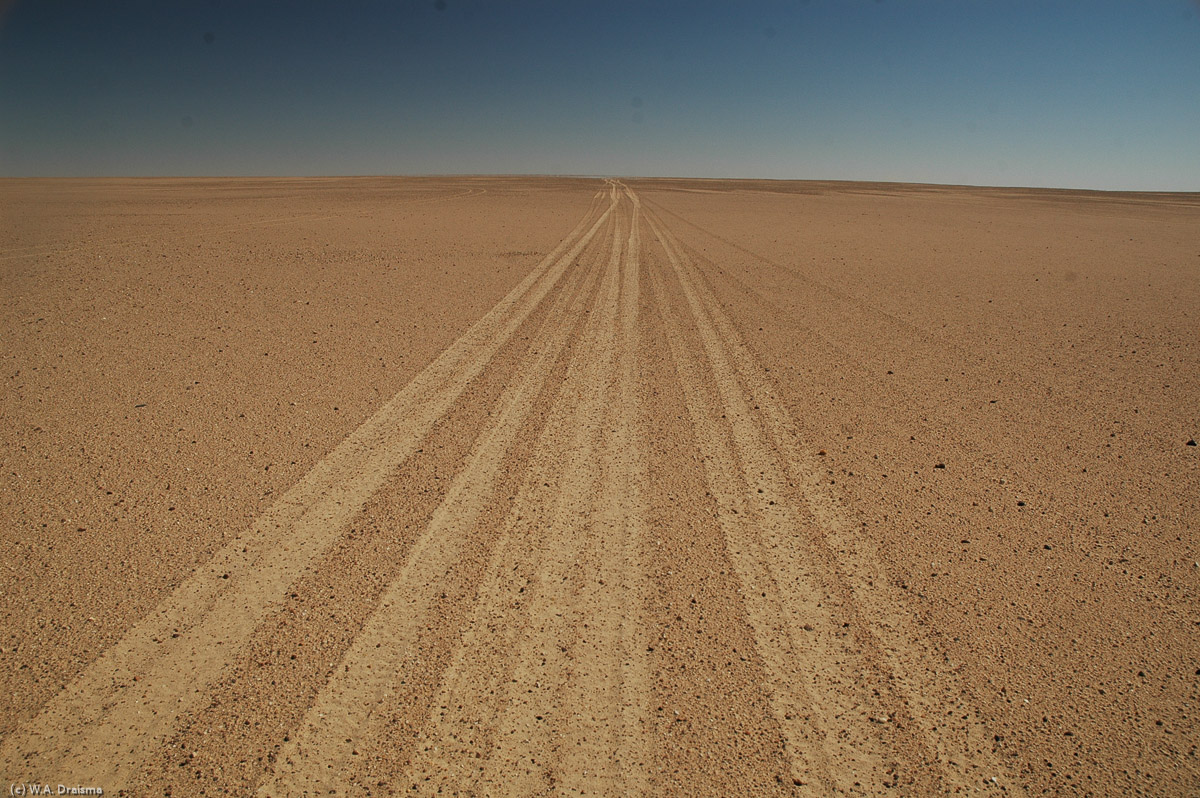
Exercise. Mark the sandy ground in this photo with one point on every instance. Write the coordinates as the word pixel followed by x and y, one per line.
pixel 548 486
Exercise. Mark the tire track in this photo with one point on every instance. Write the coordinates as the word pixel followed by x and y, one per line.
pixel 347 711
pixel 818 286
pixel 525 643
pixel 544 694
pixel 789 688
pixel 506 641
pixel 826 707
pixel 602 714
pixel 295 650
pixel 714 729
pixel 627 518
pixel 880 719
pixel 915 687
pixel 541 725
pixel 102 726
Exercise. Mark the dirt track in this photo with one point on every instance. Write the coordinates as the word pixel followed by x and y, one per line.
pixel 716 497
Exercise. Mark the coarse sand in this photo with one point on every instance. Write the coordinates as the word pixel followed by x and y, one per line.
pixel 549 485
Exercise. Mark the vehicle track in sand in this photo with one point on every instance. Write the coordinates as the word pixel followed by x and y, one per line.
pixel 579 552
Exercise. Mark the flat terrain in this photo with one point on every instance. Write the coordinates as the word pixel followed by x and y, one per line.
pixel 562 486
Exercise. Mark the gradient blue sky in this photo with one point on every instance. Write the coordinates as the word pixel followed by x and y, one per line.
pixel 1080 94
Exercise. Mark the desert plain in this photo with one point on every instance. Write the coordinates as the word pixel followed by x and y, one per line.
pixel 515 486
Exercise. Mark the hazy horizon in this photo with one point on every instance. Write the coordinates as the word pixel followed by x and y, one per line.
pixel 1097 96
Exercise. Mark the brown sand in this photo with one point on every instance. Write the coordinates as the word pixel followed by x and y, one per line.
pixel 516 486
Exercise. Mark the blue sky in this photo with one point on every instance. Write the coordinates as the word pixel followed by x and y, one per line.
pixel 1079 94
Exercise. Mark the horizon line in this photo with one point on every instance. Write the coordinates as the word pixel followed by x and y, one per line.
pixel 589 176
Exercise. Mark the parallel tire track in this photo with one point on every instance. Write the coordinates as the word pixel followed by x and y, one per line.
pixel 342 716
pixel 737 496
pixel 859 686
pixel 545 689
pixel 507 644
pixel 101 725
pixel 917 682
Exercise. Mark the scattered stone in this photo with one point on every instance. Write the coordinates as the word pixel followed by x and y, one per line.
pixel 1191 442
pixel 940 465
pixel 1020 504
